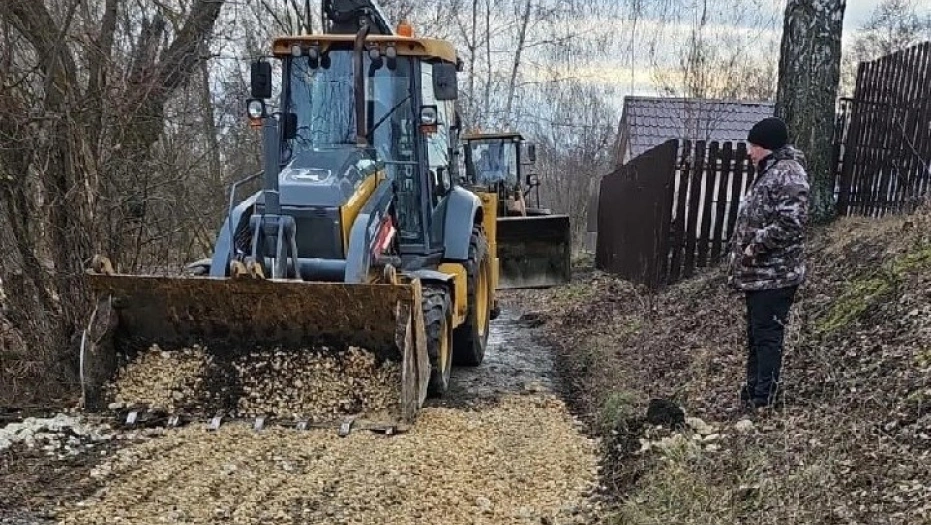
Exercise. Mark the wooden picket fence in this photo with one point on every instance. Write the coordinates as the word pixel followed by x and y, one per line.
pixel 671 211
pixel 711 179
pixel 634 205
pixel 886 146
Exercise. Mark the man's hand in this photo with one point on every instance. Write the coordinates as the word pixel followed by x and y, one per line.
pixel 748 251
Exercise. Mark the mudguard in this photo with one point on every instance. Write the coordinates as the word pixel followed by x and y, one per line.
pixel 362 234
pixel 462 208
pixel 431 275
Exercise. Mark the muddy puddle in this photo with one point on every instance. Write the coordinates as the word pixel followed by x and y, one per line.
pixel 516 361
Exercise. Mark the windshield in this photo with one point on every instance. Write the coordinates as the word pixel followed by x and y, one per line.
pixel 494 161
pixel 323 100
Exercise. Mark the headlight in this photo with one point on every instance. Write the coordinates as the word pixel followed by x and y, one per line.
pixel 256 108
pixel 428 116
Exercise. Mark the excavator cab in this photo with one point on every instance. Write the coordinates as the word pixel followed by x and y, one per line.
pixel 534 244
pixel 358 238
pixel 495 163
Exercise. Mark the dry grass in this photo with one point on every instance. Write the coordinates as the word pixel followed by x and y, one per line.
pixel 851 442
pixel 25 377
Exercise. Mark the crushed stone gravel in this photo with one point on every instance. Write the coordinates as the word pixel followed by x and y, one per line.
pixel 316 384
pixel 522 460
pixel 58 436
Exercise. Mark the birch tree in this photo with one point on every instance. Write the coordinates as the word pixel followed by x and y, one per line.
pixel 809 73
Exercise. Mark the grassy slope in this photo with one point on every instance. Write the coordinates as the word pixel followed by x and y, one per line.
pixel 852 442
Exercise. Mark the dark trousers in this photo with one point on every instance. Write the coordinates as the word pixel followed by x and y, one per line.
pixel 767 316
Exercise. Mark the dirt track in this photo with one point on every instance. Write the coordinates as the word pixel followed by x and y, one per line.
pixel 516 362
pixel 499 448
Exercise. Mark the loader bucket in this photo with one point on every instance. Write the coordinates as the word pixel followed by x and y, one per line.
pixel 232 319
pixel 533 251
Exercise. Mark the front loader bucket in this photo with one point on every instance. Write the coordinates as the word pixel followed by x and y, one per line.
pixel 533 251
pixel 243 339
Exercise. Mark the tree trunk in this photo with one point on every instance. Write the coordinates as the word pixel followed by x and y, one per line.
pixel 486 106
pixel 473 52
pixel 515 66
pixel 212 143
pixel 809 73
pixel 50 151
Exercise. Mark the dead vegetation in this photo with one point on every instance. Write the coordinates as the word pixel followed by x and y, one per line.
pixel 850 442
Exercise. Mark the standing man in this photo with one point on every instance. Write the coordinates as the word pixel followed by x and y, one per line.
pixel 767 259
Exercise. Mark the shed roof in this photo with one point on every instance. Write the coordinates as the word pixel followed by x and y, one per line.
pixel 647 122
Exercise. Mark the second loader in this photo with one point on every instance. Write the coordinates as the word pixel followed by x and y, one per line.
pixel 358 237
pixel 534 244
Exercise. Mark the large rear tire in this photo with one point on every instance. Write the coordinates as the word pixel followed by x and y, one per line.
pixel 436 317
pixel 471 338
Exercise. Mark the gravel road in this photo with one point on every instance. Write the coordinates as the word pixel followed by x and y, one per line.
pixel 500 447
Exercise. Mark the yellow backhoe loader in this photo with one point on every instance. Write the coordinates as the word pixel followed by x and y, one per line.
pixel 534 244
pixel 360 235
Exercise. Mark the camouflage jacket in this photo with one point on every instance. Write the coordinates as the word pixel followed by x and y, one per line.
pixel 771 222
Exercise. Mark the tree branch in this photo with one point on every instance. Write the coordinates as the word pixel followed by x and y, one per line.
pixel 181 58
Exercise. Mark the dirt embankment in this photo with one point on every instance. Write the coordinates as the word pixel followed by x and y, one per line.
pixel 851 441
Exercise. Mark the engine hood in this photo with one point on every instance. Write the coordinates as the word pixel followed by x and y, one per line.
pixel 324 177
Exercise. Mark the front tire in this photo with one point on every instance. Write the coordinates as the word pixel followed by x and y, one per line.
pixel 471 338
pixel 436 317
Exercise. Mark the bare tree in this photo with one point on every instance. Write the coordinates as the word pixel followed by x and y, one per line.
pixel 575 139
pixel 122 126
pixel 893 25
pixel 729 52
pixel 78 114
pixel 809 72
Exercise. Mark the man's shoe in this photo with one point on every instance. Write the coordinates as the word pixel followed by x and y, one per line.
pixel 759 403
pixel 754 405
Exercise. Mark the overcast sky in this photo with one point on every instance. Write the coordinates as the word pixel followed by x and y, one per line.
pixel 858 11
pixel 856 14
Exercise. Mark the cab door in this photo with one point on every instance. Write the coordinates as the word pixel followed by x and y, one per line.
pixel 438 143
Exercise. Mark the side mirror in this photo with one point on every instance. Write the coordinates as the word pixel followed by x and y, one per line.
pixel 532 153
pixel 533 180
pixel 445 82
pixel 444 183
pixel 261 80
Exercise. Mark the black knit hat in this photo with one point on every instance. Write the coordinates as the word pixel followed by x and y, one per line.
pixel 770 133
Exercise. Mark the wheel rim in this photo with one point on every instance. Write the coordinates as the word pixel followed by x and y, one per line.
pixel 481 298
